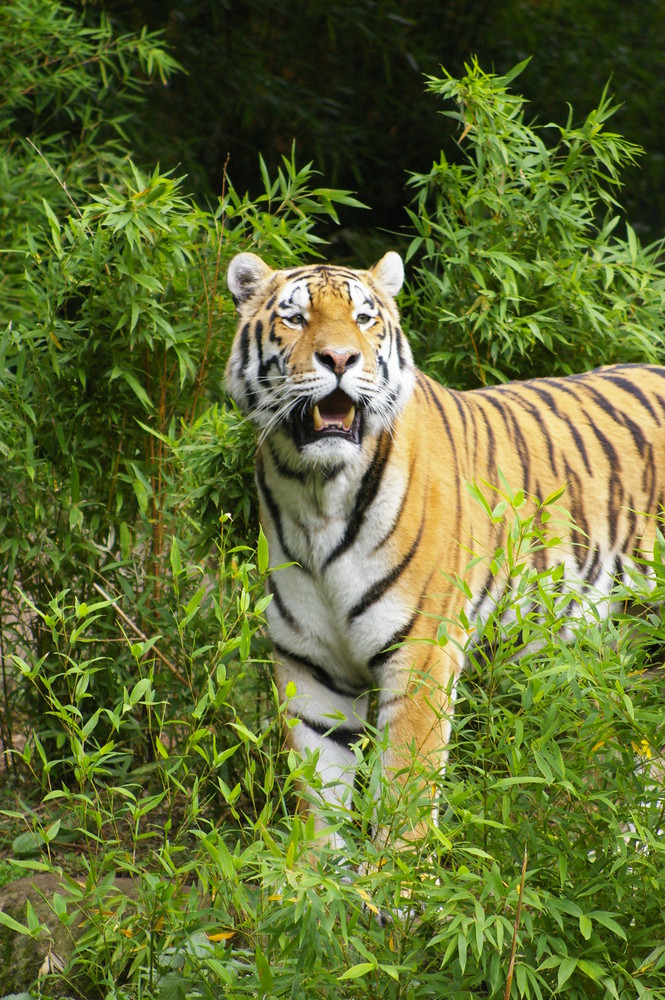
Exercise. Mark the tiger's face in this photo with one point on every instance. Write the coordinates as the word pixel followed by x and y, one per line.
pixel 319 359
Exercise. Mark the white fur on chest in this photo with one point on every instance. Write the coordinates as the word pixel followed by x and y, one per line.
pixel 320 614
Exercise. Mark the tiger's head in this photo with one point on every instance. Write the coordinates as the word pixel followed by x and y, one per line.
pixel 319 359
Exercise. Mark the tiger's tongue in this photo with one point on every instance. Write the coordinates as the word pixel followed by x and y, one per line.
pixel 335 410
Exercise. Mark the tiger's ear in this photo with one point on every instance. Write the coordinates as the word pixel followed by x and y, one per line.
pixel 390 272
pixel 245 272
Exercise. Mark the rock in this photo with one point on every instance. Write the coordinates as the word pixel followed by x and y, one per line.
pixel 26 958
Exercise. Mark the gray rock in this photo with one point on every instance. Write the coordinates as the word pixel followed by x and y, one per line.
pixel 44 956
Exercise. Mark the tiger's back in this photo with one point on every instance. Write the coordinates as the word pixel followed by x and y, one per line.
pixel 601 434
pixel 363 468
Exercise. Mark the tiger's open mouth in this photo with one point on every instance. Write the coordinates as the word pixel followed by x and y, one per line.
pixel 334 416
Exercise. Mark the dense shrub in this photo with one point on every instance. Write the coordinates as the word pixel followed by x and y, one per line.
pixel 525 265
pixel 114 354
pixel 134 666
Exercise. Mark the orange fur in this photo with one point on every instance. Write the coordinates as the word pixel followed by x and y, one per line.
pixel 378 528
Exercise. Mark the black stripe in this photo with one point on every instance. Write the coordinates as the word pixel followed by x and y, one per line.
pixel 458 400
pixel 547 397
pixel 401 340
pixel 258 337
pixel 242 369
pixel 537 415
pixel 481 594
pixel 244 345
pixel 510 421
pixel 323 272
pixel 633 390
pixel 273 336
pixel 491 451
pixel 630 533
pixel 575 492
pixel 397 637
pixel 400 511
pixel 341 735
pixel 271 504
pixel 319 673
pixel 281 607
pixel 605 443
pixel 284 470
pixel 471 410
pixel 378 589
pixel 376 661
pixel 649 480
pixel 604 404
pixel 264 366
pixel 430 389
pixel 659 399
pixel 365 496
pixel 618 570
pixel 392 700
pixel 594 568
pixel 251 395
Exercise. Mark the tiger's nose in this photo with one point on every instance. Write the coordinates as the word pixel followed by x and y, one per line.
pixel 338 361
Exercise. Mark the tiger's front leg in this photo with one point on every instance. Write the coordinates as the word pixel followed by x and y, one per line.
pixel 416 704
pixel 416 709
pixel 326 722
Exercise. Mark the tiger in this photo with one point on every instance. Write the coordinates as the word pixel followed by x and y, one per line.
pixel 363 464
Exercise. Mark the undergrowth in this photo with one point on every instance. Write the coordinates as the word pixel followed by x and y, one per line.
pixel 143 765
pixel 546 869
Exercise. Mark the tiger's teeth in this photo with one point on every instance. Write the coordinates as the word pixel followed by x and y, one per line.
pixel 316 416
pixel 348 419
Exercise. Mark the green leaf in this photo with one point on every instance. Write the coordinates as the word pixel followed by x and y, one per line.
pixel 139 690
pixel 462 948
pixel 263 969
pixel 262 552
pixel 357 971
pixel 607 920
pixel 586 926
pixel 513 73
pixel 134 385
pixel 174 556
pixel 150 282
pixel 566 969
pixel 194 601
pixel 27 843
pixel 13 925
pixel 33 919
pixel 592 970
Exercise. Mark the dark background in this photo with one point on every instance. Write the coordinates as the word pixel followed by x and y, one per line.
pixel 345 79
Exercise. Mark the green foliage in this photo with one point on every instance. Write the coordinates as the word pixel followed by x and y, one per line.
pixel 147 772
pixel 345 79
pixel 589 43
pixel 112 364
pixel 549 847
pixel 68 91
pixel 522 270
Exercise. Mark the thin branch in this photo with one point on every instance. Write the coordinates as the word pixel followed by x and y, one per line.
pixel 118 610
pixel 58 179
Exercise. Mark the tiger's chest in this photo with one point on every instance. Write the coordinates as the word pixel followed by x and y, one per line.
pixel 329 553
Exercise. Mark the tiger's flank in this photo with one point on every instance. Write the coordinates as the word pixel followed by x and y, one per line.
pixel 362 468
